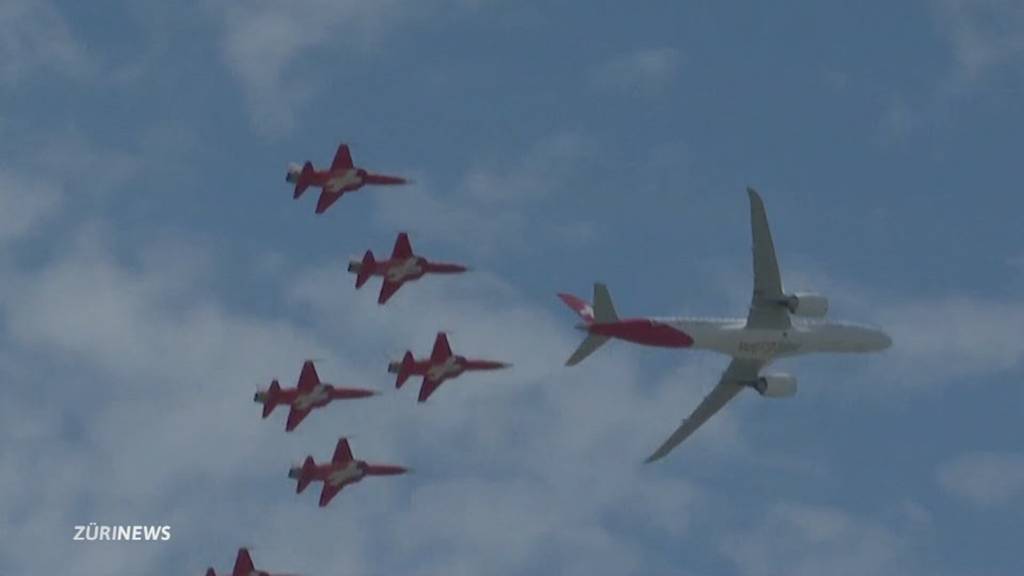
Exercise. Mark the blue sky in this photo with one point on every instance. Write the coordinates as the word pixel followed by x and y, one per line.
pixel 156 271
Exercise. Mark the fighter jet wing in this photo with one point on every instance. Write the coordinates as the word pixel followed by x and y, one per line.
pixel 342 159
pixel 387 290
pixel 327 198
pixel 295 417
pixel 308 378
pixel 342 452
pixel 243 563
pixel 328 493
pixel 441 348
pixel 403 248
pixel 427 388
pixel 730 384
pixel 767 308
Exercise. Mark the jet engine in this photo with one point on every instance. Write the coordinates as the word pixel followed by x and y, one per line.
pixel 776 385
pixel 293 173
pixel 807 304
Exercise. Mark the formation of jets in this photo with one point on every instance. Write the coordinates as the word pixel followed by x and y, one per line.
pixel 778 324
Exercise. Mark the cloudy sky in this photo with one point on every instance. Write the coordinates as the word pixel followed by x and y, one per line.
pixel 154 271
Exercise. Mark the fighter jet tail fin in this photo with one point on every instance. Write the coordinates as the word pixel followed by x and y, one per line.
pixel 604 310
pixel 210 572
pixel 304 180
pixel 591 343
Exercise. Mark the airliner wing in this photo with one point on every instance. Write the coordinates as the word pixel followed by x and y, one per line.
pixel 767 309
pixel 732 381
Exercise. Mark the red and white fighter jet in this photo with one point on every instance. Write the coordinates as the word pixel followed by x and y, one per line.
pixel 402 267
pixel 341 177
pixel 243 566
pixel 441 366
pixel 342 470
pixel 309 394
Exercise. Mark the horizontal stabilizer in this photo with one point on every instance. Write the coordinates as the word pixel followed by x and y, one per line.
pixel 305 474
pixel 304 180
pixel 365 269
pixel 579 306
pixel 591 343
pixel 404 369
pixel 272 398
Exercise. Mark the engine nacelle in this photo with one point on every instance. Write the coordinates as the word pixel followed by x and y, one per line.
pixel 776 385
pixel 807 304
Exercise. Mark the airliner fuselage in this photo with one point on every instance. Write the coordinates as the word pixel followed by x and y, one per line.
pixel 731 336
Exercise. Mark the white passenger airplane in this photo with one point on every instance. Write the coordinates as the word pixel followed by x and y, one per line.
pixel 767 333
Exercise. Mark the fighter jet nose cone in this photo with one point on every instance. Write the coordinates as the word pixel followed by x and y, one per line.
pixel 885 341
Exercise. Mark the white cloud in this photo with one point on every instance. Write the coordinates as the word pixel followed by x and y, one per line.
pixel 936 339
pixel 647 71
pixel 946 338
pixel 499 204
pixel 141 411
pixel 984 478
pixel 798 540
pixel 34 36
pixel 24 205
pixel 265 41
pixel 986 41
pixel 34 183
pixel 987 36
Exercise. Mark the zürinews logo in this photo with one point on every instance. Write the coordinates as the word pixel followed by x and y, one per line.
pixel 93 532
